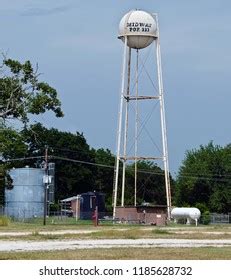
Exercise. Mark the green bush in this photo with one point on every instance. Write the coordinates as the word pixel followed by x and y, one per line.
pixel 202 207
pixel 205 218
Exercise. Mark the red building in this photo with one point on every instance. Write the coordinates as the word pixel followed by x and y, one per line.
pixel 154 215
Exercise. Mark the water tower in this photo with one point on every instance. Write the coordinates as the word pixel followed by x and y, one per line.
pixel 138 30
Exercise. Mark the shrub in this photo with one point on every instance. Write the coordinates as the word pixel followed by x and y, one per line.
pixel 205 218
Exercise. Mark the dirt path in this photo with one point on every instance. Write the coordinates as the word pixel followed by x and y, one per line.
pixel 56 232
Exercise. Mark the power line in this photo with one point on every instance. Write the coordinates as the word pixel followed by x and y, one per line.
pixel 223 178
pixel 83 162
pixel 22 158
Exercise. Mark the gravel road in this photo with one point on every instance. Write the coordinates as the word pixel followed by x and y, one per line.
pixel 107 243
pixel 71 244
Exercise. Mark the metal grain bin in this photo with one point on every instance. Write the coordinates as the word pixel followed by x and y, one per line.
pixel 25 199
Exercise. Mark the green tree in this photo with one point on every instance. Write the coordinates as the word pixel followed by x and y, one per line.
pixel 5 181
pixel 71 154
pixel 2 183
pixel 12 143
pixel 104 173
pixel 21 92
pixel 150 184
pixel 204 177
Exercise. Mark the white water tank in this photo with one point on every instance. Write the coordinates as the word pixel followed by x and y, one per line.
pixel 140 28
pixel 186 212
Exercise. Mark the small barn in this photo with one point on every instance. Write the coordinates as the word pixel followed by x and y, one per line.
pixel 83 206
pixel 145 214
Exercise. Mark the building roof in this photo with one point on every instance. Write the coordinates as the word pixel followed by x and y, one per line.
pixel 143 206
pixel 93 193
pixel 82 194
pixel 70 198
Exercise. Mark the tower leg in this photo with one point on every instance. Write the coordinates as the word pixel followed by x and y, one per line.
pixel 163 125
pixel 119 128
pixel 126 127
pixel 136 126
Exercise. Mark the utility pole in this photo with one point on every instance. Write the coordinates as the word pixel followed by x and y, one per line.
pixel 45 186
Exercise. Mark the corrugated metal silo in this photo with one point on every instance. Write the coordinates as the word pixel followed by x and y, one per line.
pixel 26 198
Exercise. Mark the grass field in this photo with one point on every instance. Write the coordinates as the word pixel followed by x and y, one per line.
pixel 123 254
pixel 85 230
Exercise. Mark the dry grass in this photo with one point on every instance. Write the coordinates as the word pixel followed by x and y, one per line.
pixel 125 254
pixel 16 226
pixel 126 232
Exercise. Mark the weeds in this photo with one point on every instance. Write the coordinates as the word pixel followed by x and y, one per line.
pixel 160 231
pixel 4 221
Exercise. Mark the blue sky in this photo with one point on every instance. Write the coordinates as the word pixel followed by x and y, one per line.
pixel 75 44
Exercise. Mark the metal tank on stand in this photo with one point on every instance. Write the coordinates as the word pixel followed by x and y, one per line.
pixel 188 213
pixel 139 30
